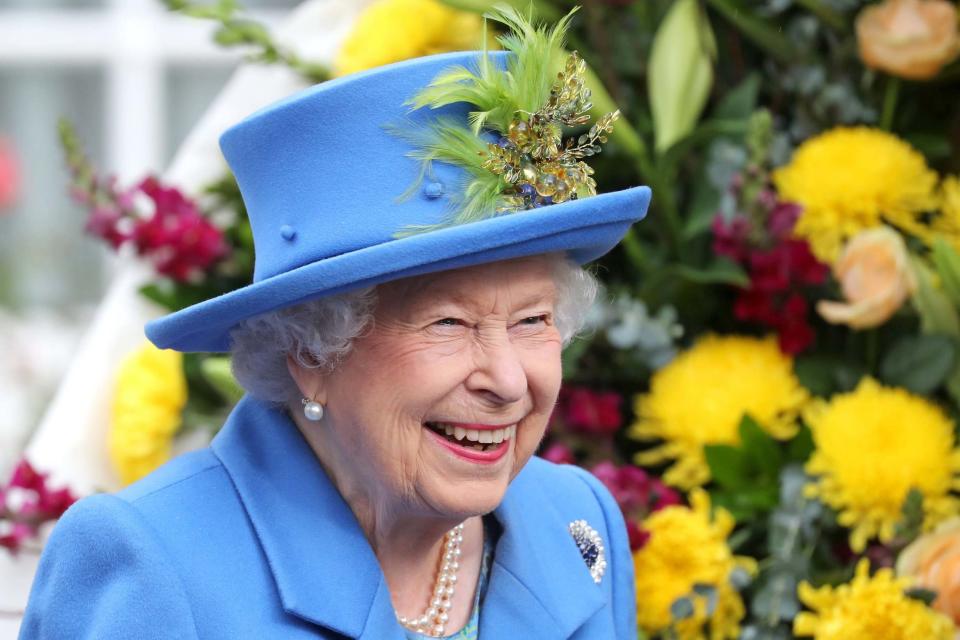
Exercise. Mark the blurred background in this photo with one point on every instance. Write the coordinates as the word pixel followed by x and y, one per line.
pixel 135 79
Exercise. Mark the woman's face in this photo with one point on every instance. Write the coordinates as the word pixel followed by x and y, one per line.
pixel 441 403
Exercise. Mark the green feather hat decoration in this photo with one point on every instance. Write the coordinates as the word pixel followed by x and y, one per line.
pixel 541 94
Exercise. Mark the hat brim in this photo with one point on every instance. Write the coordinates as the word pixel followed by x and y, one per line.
pixel 585 229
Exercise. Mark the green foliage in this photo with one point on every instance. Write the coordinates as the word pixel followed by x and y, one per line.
pixel 793 530
pixel 824 374
pixel 911 522
pixel 919 363
pixel 947 262
pixel 937 313
pixel 216 370
pixel 746 475
pixel 763 32
pixel 237 31
pixel 926 596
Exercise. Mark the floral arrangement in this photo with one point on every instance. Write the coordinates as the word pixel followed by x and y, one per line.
pixel 27 503
pixel 770 387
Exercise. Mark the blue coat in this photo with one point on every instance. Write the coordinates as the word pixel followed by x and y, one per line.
pixel 249 539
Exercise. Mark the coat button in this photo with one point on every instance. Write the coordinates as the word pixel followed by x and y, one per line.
pixel 287 232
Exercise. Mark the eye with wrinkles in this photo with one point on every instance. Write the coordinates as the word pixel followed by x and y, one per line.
pixel 448 322
pixel 534 320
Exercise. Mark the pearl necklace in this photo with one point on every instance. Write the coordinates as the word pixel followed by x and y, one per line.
pixel 433 622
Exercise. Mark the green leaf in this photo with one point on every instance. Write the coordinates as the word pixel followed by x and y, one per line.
pixel 815 373
pixel 740 578
pixel 741 101
pixel 242 32
pixel 746 503
pixel 801 446
pixel 728 465
pixel 926 596
pixel 919 363
pixel 216 370
pixel 764 33
pixel 912 515
pixel 937 313
pixel 680 72
pixel 164 296
pixel 947 261
pixel 720 271
pixel 935 146
pixel 704 204
pixel 761 449
pixel 681 608
pixel 709 593
pixel 824 375
pixel 757 458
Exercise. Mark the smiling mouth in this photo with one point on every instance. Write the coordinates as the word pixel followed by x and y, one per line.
pixel 475 439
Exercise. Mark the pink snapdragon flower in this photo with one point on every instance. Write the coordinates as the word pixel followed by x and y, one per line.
pixel 27 502
pixel 176 238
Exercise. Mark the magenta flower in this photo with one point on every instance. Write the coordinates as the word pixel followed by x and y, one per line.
pixel 590 412
pixel 177 238
pixel 637 493
pixel 26 502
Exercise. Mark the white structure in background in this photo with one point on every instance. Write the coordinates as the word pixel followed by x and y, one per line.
pixel 135 40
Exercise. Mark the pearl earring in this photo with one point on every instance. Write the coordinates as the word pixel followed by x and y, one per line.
pixel 312 409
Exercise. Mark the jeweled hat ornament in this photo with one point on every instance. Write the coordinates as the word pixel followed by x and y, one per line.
pixel 326 177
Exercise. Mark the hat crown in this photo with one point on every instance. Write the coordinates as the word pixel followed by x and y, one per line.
pixel 321 175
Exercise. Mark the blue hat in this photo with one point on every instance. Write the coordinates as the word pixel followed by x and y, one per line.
pixel 322 177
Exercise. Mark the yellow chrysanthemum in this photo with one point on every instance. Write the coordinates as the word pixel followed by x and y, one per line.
pixel 149 396
pixel 851 179
pixel 875 444
pixel 947 222
pixel 868 608
pixel 393 30
pixel 687 547
pixel 701 397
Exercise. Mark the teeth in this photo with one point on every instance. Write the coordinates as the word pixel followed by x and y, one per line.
pixel 481 436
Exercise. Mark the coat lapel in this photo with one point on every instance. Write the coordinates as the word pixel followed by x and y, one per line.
pixel 538 581
pixel 323 566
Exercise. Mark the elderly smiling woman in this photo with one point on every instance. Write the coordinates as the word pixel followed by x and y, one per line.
pixel 402 358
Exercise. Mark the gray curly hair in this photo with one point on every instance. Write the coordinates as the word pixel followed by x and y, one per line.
pixel 319 333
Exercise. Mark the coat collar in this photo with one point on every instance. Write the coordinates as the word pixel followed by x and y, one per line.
pixel 538 580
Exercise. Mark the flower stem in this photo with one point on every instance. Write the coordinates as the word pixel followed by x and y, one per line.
pixel 890 97
pixel 872 345
pixel 827 15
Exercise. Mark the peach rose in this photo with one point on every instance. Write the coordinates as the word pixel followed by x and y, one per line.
pixel 908 38
pixel 876 279
pixel 933 561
